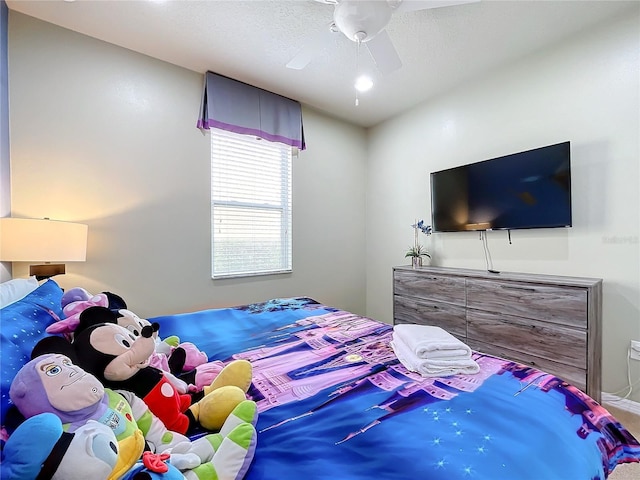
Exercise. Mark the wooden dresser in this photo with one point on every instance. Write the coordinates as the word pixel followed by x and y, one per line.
pixel 549 322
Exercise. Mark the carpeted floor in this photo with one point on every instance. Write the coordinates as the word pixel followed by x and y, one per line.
pixel 630 471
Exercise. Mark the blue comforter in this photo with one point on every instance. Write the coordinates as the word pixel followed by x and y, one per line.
pixel 335 403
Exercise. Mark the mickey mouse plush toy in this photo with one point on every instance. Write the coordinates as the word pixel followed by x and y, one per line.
pixel 188 368
pixel 120 361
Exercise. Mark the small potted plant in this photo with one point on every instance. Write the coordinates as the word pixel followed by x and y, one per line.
pixel 417 251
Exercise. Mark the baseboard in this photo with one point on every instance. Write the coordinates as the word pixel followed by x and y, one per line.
pixel 622 404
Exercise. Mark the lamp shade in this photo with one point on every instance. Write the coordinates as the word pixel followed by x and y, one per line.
pixel 36 240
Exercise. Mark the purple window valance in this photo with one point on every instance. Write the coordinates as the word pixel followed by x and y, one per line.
pixel 234 106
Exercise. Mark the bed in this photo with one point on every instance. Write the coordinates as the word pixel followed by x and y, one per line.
pixel 335 402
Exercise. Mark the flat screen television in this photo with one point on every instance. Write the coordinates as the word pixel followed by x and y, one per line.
pixel 530 189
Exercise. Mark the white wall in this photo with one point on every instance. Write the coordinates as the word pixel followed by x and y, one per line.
pixel 586 91
pixel 105 136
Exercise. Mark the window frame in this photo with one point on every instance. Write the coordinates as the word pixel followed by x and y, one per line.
pixel 285 157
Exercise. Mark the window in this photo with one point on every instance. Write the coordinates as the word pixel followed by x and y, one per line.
pixel 250 205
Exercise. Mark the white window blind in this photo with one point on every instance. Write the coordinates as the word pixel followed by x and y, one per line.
pixel 250 205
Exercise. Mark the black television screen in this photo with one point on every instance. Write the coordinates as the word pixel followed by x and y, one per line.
pixel 529 189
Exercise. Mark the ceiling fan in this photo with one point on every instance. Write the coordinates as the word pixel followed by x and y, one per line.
pixel 364 22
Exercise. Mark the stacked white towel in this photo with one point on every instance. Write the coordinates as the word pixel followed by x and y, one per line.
pixel 432 351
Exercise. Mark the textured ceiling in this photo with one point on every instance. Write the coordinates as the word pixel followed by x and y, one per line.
pixel 252 41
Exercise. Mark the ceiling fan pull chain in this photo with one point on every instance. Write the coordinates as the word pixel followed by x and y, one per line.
pixel 359 42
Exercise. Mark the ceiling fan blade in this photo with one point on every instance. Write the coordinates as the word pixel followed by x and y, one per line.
pixel 301 59
pixel 384 53
pixel 310 50
pixel 413 5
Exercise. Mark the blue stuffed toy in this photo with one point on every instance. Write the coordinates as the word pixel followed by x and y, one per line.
pixel 90 452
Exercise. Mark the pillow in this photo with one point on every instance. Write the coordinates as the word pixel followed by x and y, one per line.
pixel 22 325
pixel 16 289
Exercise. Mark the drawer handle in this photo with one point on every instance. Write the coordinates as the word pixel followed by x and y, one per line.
pixel 523 289
pixel 425 308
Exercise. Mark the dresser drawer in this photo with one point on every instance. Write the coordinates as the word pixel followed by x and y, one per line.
pixel 450 317
pixel 573 375
pixel 561 305
pixel 440 288
pixel 541 339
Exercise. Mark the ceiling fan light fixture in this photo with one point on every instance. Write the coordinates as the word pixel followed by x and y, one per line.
pixel 355 17
pixel 364 23
pixel 363 83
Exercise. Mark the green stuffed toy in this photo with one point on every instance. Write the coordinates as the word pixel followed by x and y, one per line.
pixel 52 383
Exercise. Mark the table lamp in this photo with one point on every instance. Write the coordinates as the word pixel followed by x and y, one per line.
pixel 42 240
